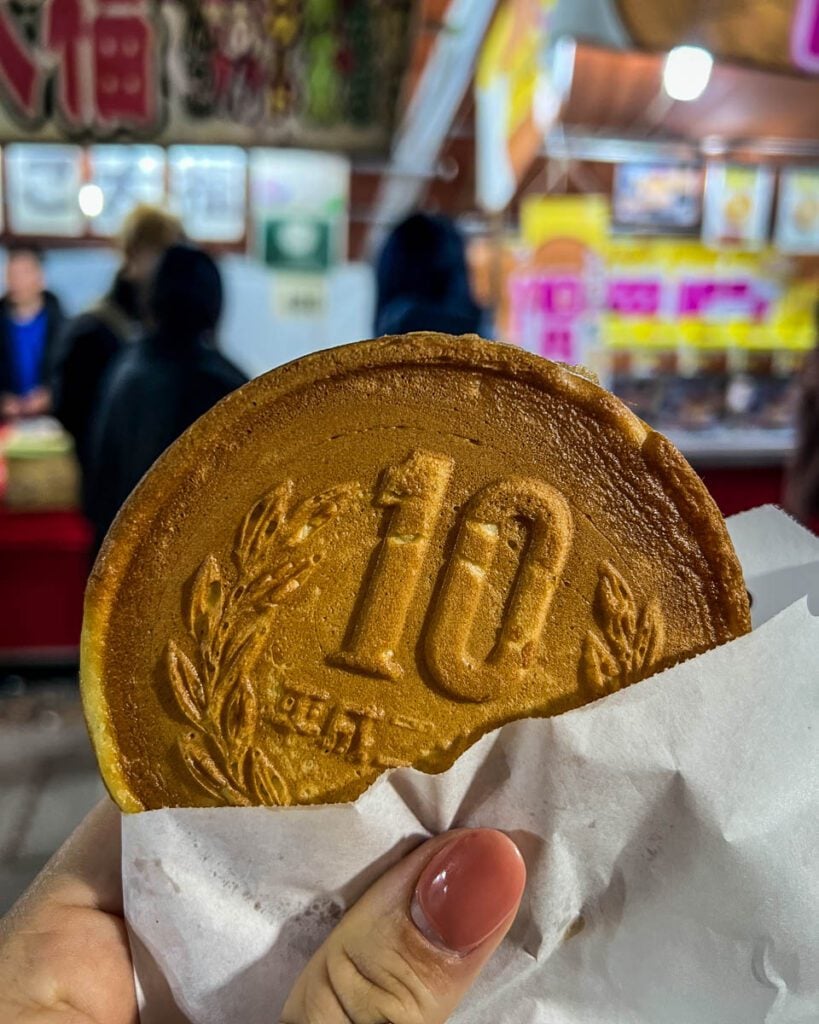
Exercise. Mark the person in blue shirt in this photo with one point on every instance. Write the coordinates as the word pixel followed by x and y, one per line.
pixel 31 323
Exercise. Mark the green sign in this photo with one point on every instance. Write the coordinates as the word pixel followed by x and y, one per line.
pixel 297 243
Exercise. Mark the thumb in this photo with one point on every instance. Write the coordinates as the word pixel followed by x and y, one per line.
pixel 411 947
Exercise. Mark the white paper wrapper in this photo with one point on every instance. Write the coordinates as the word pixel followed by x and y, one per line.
pixel 670 834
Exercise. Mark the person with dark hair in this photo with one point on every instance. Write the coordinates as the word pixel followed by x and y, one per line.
pixel 96 337
pixel 31 322
pixel 162 384
pixel 423 282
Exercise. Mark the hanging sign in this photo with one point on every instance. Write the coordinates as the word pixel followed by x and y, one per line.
pixel 805 36
pixel 299 204
pixel 554 291
pixel 42 186
pixel 738 204
pixel 202 71
pixel 515 100
pixel 547 314
pixel 126 175
pixel 797 222
pixel 208 189
pixel 101 60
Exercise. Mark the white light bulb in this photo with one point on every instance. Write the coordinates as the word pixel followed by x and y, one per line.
pixel 687 72
pixel 91 200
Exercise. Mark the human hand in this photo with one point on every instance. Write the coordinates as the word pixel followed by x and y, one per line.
pixel 407 952
pixel 410 949
pixel 64 956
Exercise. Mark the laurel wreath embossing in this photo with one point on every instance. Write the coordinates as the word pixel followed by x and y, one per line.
pixel 630 640
pixel 277 548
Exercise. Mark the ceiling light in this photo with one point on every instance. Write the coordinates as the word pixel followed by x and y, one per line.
pixel 147 164
pixel 687 72
pixel 92 200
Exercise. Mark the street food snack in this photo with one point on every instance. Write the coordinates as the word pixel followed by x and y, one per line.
pixel 373 556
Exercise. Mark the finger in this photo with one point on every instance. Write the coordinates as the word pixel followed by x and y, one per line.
pixel 412 946
pixel 85 871
pixel 64 946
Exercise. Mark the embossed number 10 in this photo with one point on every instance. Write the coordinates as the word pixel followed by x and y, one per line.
pixel 414 491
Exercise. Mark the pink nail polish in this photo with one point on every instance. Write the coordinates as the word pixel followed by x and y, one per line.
pixel 469 889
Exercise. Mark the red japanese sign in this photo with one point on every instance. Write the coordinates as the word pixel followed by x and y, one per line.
pixel 202 71
pixel 99 58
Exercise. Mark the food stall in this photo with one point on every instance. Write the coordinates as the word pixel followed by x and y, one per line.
pixel 656 218
pixel 44 544
pixel 706 344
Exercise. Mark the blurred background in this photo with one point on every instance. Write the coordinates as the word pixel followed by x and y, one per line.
pixel 632 185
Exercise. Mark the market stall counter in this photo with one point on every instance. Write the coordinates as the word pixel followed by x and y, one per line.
pixel 742 469
pixel 45 546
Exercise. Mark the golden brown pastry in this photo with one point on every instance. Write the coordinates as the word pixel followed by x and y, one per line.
pixel 376 554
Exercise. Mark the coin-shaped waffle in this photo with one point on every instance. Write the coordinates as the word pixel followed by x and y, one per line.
pixel 373 556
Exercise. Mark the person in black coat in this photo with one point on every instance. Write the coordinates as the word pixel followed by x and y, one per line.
pixel 162 384
pixel 31 323
pixel 423 281
pixel 95 338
